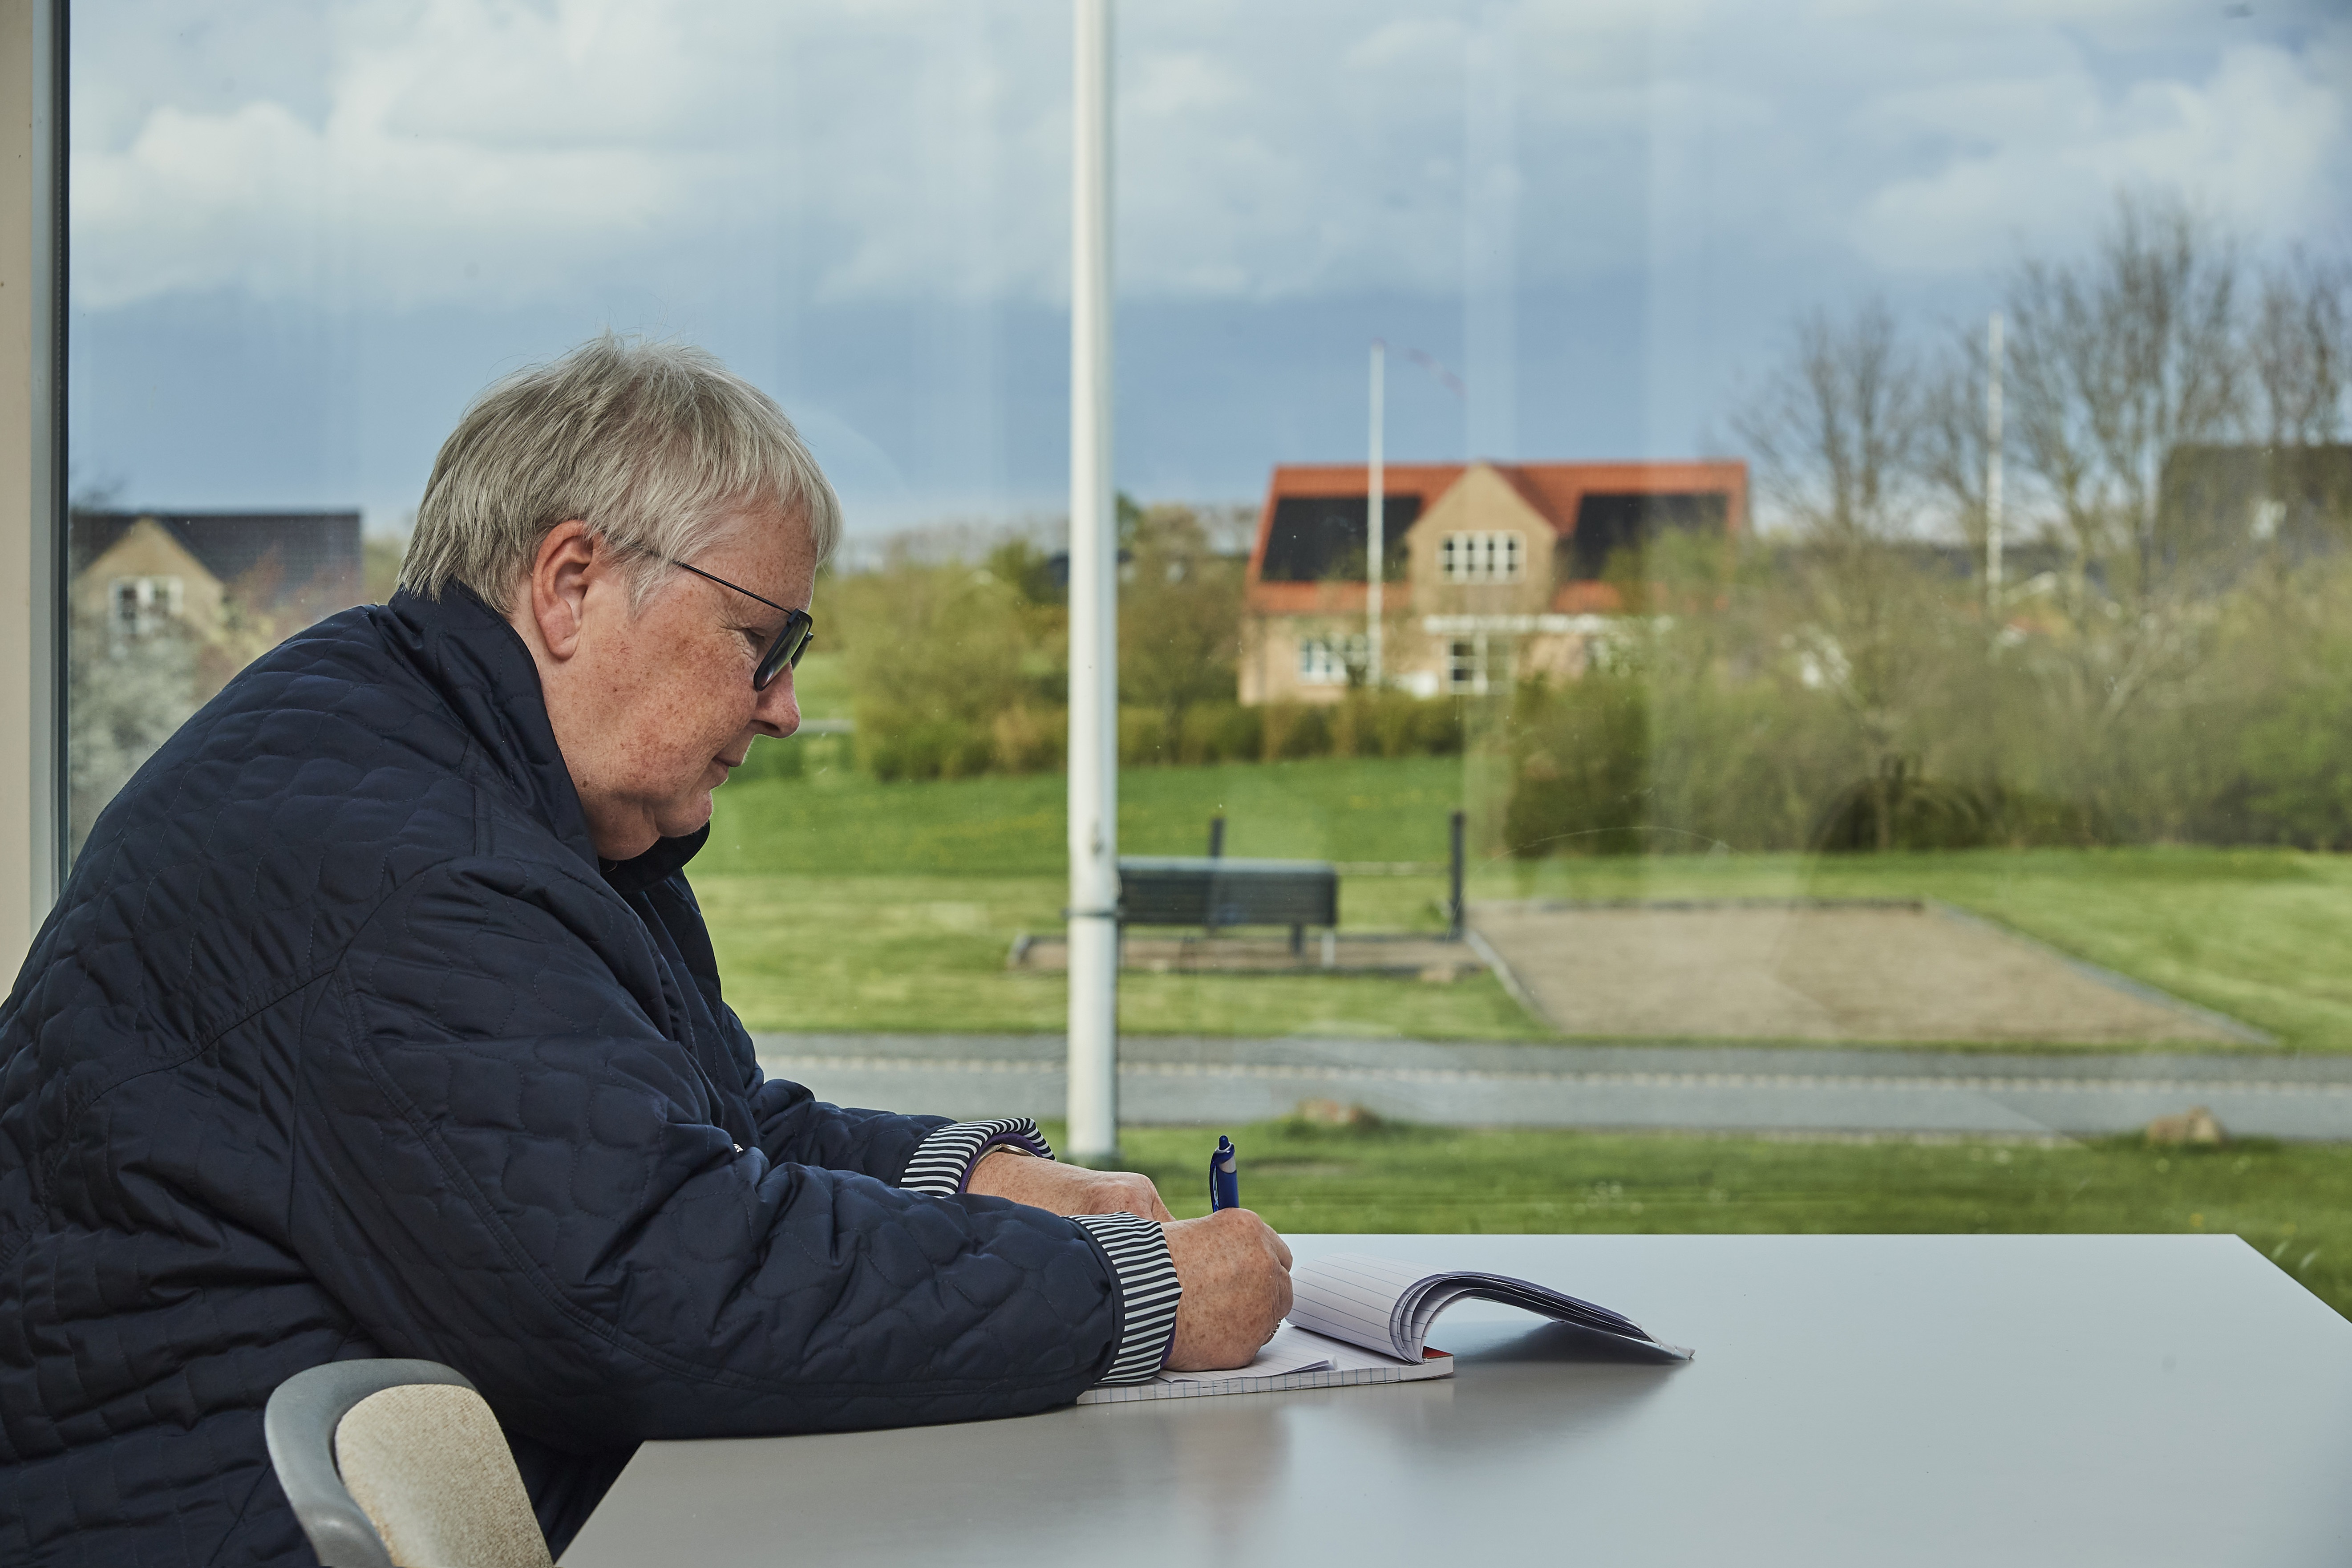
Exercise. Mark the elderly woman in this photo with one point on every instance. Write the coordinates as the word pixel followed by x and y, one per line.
pixel 378 1018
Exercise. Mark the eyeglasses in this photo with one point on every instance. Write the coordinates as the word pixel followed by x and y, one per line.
pixel 799 631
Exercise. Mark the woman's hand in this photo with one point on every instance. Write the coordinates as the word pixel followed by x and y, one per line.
pixel 1064 1189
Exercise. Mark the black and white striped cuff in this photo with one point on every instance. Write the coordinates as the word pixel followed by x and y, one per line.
pixel 943 1163
pixel 1148 1291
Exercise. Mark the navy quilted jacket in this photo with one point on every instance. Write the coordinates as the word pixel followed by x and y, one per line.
pixel 340 1043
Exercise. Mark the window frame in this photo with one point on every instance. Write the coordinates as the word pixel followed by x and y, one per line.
pixel 33 232
pixel 1483 556
pixel 1323 660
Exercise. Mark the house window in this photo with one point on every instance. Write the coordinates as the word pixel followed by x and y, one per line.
pixel 1465 667
pixel 137 606
pixel 1325 661
pixel 1484 556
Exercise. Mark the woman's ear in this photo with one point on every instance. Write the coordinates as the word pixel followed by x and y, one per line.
pixel 561 571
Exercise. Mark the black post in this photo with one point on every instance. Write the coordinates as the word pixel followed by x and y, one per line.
pixel 1217 852
pixel 1454 882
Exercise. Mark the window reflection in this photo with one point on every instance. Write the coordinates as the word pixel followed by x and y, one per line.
pixel 167 606
pixel 1813 662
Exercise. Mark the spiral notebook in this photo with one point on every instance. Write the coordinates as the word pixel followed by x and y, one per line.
pixel 1358 1318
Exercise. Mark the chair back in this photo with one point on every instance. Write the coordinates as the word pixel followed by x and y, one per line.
pixel 400 1464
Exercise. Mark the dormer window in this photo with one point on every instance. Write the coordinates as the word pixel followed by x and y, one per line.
pixel 140 604
pixel 1483 556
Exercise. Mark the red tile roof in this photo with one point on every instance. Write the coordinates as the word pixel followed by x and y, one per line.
pixel 1552 490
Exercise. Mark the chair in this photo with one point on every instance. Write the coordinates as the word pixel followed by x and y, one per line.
pixel 399 1464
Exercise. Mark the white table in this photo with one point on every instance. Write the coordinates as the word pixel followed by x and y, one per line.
pixel 2068 1400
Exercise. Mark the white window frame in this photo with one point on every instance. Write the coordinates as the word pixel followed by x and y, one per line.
pixel 137 606
pixel 32 467
pixel 1483 556
pixel 1467 665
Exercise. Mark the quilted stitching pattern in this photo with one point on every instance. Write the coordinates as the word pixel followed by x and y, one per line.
pixel 342 1043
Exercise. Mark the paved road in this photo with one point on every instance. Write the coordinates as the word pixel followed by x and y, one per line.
pixel 1168 1080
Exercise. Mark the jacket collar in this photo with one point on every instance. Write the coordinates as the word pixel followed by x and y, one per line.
pixel 480 668
pixel 656 864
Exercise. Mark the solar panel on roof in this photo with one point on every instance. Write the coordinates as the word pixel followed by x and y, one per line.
pixel 1320 539
pixel 1608 522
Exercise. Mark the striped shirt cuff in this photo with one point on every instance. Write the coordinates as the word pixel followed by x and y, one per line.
pixel 1148 1291
pixel 943 1163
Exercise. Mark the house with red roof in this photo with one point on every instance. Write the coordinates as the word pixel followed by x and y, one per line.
pixel 1492 570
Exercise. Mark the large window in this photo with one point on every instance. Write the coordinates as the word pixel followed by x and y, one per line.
pixel 1866 546
pixel 1325 661
pixel 1481 557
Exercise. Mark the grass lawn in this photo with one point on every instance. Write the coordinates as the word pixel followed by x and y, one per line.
pixel 924 953
pixel 836 821
pixel 839 902
pixel 2293 1202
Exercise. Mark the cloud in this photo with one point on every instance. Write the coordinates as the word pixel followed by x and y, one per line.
pixel 2260 144
pixel 254 199
pixel 399 153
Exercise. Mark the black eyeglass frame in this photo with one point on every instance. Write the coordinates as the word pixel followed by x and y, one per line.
pixel 799 630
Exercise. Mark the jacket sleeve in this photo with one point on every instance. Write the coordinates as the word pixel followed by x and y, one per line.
pixel 504 1166
pixel 797 1127
pixel 794 1126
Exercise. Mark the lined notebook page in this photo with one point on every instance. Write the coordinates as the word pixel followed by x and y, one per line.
pixel 1389 1307
pixel 1293 1358
pixel 1352 1297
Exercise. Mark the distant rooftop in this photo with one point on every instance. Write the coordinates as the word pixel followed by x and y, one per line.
pixel 266 558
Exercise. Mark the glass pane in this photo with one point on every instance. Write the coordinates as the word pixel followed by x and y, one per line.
pixel 1827 748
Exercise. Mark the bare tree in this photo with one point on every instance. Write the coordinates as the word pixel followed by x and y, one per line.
pixel 1835 433
pixel 2299 351
pixel 2115 361
pixel 1950 452
pixel 1834 427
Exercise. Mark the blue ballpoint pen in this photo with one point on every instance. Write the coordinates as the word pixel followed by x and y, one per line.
pixel 1225 1176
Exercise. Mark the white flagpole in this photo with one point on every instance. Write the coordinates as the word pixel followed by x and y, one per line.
pixel 1376 537
pixel 1094 612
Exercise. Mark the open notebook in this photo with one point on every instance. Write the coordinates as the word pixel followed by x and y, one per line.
pixel 1358 1318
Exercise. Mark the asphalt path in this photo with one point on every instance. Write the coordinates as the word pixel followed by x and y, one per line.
pixel 1171 1080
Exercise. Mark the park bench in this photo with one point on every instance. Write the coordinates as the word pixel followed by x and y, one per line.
pixel 1213 891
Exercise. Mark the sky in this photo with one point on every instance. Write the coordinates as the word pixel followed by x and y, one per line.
pixel 306 232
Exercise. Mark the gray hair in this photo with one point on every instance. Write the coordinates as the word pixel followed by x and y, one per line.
pixel 652 445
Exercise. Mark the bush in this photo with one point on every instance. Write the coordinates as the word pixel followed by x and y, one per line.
pixel 943 651
pixel 933 749
pixel 1580 770
pixel 1142 737
pixel 1289 729
pixel 1902 810
pixel 1393 724
pixel 1221 732
pixel 2298 758
pixel 1180 613
pixel 770 758
pixel 1030 739
pixel 1438 729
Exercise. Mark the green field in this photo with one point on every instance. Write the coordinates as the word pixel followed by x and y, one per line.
pixel 840 903
pixel 2293 1202
pixel 821 684
pixel 837 821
